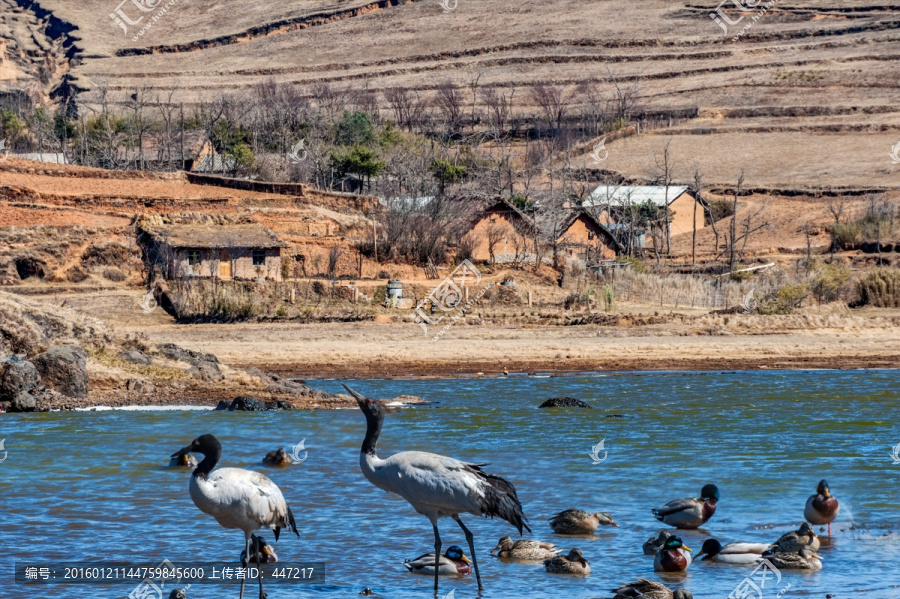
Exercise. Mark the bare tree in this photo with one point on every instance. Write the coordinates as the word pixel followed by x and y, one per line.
pixel 552 101
pixel 449 101
pixel 494 234
pixel 499 108
pixel 665 169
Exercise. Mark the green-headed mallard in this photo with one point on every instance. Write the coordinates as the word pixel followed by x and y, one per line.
pixel 579 522
pixel 691 512
pixel 452 562
pixel 732 553
pixel 792 542
pixel 654 544
pixel 673 557
pixel 525 549
pixel 805 559
pixel 649 589
pixel 573 563
pixel 823 507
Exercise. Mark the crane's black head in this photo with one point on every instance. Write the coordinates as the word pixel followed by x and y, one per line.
pixel 709 492
pixel 374 413
pixel 711 548
pixel 822 488
pixel 211 449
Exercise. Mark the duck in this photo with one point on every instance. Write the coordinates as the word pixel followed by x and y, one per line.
pixel 654 544
pixel 691 512
pixel 453 562
pixel 791 542
pixel 673 557
pixel 260 552
pixel 177 594
pixel 732 553
pixel 649 589
pixel 579 522
pixel 525 549
pixel 823 507
pixel 805 559
pixel 182 459
pixel 279 457
pixel 572 563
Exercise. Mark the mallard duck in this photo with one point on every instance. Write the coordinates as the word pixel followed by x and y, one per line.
pixel 525 549
pixel 573 563
pixel 649 589
pixel 182 459
pixel 452 562
pixel 279 457
pixel 654 544
pixel 791 542
pixel 732 553
pixel 804 559
pixel 579 522
pixel 673 557
pixel 260 552
pixel 691 512
pixel 823 507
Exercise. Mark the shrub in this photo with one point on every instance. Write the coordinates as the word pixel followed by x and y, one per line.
pixel 830 280
pixel 788 297
pixel 720 208
pixel 880 288
pixel 114 274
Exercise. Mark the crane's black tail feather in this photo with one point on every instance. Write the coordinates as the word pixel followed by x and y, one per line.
pixel 500 499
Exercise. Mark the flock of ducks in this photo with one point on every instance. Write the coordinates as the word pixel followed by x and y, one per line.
pixel 437 486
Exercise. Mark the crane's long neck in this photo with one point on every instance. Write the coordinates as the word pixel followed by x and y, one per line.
pixel 208 463
pixel 373 430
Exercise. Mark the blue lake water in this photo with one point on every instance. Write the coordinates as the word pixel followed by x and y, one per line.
pixel 93 486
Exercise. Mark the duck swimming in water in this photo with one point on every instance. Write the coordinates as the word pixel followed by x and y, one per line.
pixel 452 562
pixel 649 589
pixel 525 549
pixel 691 512
pixel 792 542
pixel 579 522
pixel 823 507
pixel 279 457
pixel 673 557
pixel 182 459
pixel 572 563
pixel 805 559
pixel 732 553
pixel 656 543
pixel 260 552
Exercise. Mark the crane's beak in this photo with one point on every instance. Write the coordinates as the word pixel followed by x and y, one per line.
pixel 360 398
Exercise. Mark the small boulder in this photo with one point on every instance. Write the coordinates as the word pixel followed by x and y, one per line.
pixel 252 404
pixel 137 357
pixel 222 405
pixel 179 354
pixel 139 386
pixel 23 402
pixel 64 368
pixel 17 376
pixel 564 402
pixel 206 371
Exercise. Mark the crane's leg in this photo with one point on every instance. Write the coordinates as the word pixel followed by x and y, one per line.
pixel 437 554
pixel 247 543
pixel 471 540
pixel 262 593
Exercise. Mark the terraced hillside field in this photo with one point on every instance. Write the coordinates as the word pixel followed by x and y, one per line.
pixel 798 69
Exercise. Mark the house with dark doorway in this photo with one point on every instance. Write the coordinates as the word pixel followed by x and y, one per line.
pixel 584 237
pixel 502 233
pixel 210 246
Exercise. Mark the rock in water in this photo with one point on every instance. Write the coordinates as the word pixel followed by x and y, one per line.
pixel 18 378
pixel 64 369
pixel 564 402
pixel 252 404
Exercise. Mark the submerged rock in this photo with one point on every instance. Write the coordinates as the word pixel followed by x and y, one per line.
pixel 564 402
pixel 64 369
pixel 252 404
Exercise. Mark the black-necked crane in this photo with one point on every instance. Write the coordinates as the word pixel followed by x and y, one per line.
pixel 435 485
pixel 235 497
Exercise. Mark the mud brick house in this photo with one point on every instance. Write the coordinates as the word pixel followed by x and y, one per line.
pixel 210 246
pixel 503 233
pixel 583 236
pixel 609 201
